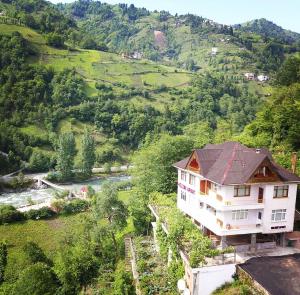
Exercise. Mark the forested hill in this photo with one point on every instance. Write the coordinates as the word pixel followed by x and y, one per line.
pixel 186 40
pixel 127 75
pixel 269 30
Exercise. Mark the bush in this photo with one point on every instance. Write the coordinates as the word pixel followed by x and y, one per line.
pixel 75 206
pixel 55 40
pixel 42 213
pixel 39 162
pixel 10 214
pixel 123 283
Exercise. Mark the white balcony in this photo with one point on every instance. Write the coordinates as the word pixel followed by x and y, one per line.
pixel 218 202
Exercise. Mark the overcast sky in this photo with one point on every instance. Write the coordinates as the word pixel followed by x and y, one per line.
pixel 285 13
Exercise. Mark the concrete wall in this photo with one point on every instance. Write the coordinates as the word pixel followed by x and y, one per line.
pixel 210 278
pixel 280 203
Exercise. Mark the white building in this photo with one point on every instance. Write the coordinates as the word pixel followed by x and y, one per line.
pixel 262 78
pixel 237 195
pixel 214 51
pixel 250 76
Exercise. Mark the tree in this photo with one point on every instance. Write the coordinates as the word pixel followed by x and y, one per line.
pixel 35 254
pixel 3 260
pixel 76 266
pixel 37 279
pixel 88 155
pixel 153 169
pixel 66 154
pixel 107 206
pixel 55 40
pixel 200 133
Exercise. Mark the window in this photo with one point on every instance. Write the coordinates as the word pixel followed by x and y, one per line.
pixel 262 172
pixel 183 175
pixel 281 191
pixel 278 227
pixel 201 204
pixel 183 195
pixel 259 215
pixel 279 215
pixel 214 187
pixel 242 191
pixel 239 214
pixel 192 179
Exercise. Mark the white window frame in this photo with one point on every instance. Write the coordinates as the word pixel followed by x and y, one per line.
pixel 279 191
pixel 192 179
pixel 278 215
pixel 183 195
pixel 240 214
pixel 183 175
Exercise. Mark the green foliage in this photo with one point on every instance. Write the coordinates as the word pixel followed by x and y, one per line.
pixel 107 206
pixel 68 88
pixel 123 281
pixel 153 169
pixel 35 254
pixel 66 154
pixel 55 40
pixel 75 206
pixel 42 213
pixel 88 156
pixel 10 214
pixel 200 133
pixel 289 72
pixel 141 215
pixel 36 279
pixel 182 232
pixel 3 260
pixel 39 162
pixel 76 266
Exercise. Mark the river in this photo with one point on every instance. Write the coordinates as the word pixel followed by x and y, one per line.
pixel 43 195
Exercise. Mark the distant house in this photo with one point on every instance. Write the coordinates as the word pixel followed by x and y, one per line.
pixel 262 78
pixel 250 76
pixel 214 51
pixel 137 55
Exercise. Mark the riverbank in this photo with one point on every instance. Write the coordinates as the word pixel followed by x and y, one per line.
pixel 43 196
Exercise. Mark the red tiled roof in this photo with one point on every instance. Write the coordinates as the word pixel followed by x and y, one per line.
pixel 234 163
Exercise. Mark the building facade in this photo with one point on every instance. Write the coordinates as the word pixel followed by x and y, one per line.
pixel 237 195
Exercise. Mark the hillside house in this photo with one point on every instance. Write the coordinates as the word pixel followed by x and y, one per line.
pixel 250 76
pixel 262 78
pixel 214 51
pixel 238 196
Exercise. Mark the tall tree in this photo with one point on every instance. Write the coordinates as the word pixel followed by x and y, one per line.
pixel 38 279
pixel 88 155
pixel 108 206
pixel 3 260
pixel 66 154
pixel 153 169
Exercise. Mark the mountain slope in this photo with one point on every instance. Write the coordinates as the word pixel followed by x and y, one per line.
pixel 268 29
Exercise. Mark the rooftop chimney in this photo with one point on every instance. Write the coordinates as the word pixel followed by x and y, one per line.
pixel 294 162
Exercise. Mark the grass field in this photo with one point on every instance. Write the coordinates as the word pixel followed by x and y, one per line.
pixel 48 234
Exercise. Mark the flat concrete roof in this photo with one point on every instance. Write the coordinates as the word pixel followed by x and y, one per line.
pixel 279 275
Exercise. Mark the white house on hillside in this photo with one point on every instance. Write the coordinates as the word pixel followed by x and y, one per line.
pixel 237 195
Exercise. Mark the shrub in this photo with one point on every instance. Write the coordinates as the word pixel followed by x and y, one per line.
pixel 75 206
pixel 42 213
pixel 123 283
pixel 10 214
pixel 35 254
pixel 55 40
pixel 58 205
